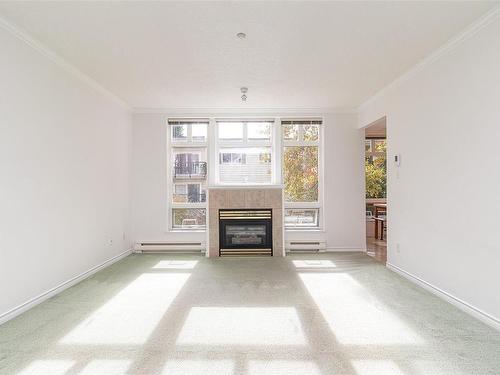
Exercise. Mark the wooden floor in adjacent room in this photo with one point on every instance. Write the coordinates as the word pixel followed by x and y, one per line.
pixel 377 249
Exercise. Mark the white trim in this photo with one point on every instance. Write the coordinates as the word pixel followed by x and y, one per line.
pixel 59 61
pixel 449 46
pixel 457 302
pixel 212 157
pixel 353 249
pixel 187 205
pixel 305 231
pixel 321 177
pixel 169 175
pixel 238 187
pixel 277 159
pixel 59 288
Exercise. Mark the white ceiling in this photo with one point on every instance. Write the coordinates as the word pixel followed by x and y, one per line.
pixel 296 55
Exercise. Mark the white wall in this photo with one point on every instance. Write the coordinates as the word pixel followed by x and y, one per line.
pixel 444 207
pixel 344 181
pixel 65 159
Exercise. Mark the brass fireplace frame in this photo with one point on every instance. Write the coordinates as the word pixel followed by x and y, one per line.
pixel 244 217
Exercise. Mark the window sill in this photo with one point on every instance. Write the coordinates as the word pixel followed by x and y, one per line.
pixel 186 231
pixel 316 230
pixel 243 186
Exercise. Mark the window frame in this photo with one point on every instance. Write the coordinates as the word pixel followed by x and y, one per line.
pixel 209 152
pixel 300 142
pixel 174 147
pixel 221 144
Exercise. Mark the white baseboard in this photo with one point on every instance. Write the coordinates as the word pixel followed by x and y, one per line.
pixel 462 305
pixel 344 249
pixel 4 317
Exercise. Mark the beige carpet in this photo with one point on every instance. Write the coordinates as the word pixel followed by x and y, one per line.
pixel 328 314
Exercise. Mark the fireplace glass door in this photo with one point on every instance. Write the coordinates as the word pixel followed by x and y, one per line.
pixel 248 235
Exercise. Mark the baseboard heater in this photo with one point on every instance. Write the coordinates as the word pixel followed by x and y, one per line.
pixel 170 247
pixel 300 246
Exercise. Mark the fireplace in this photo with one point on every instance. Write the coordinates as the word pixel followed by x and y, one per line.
pixel 245 232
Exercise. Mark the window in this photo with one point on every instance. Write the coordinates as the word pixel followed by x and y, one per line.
pixel 189 163
pixel 310 132
pixel 231 131
pixel 232 158
pixel 305 218
pixel 244 152
pixel 188 166
pixel 375 167
pixel 247 152
pixel 189 218
pixel 301 173
pixel 185 131
pixel 259 131
pixel 199 132
pixel 179 133
pixel 291 132
pixel 189 193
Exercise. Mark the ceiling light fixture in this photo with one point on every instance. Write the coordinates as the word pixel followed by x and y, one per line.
pixel 244 91
pixel 241 35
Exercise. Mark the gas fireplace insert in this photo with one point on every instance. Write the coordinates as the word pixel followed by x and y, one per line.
pixel 245 232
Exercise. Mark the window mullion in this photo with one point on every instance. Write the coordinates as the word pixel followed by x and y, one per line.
pixel 276 152
pixel 245 133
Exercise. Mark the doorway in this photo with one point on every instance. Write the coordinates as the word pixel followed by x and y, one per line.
pixel 376 189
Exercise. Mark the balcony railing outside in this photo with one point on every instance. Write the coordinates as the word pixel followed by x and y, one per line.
pixel 197 169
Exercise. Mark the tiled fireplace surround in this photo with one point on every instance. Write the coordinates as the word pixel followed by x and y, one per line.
pixel 251 198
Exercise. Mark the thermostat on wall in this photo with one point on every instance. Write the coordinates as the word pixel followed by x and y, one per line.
pixel 397 160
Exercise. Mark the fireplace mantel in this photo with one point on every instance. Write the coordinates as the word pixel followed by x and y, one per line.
pixel 248 197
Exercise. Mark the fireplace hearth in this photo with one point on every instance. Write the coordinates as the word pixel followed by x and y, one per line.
pixel 245 232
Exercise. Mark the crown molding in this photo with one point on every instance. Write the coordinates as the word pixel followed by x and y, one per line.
pixel 449 46
pixel 243 111
pixel 59 61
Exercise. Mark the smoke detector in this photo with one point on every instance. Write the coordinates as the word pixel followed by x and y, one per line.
pixel 244 91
